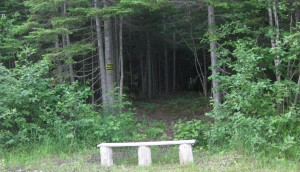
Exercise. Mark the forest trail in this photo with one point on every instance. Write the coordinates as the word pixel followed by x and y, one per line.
pixel 169 109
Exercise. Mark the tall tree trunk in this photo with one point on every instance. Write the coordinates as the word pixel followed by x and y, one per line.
pixel 153 80
pixel 93 79
pixel 68 42
pixel 166 70
pixel 121 57
pixel 273 41
pixel 174 62
pixel 297 18
pixel 199 70
pixel 116 52
pixel 205 74
pixel 101 58
pixel 214 58
pixel 93 84
pixel 297 93
pixel 143 78
pixel 297 14
pixel 159 76
pixel 272 10
pixel 149 73
pixel 58 62
pixel 131 73
pixel 166 63
pixel 129 57
pixel 277 59
pixel 271 24
pixel 109 57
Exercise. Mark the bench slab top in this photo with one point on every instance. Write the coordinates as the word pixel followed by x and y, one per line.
pixel 155 143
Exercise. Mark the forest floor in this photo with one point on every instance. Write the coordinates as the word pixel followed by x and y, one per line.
pixel 166 111
pixel 158 117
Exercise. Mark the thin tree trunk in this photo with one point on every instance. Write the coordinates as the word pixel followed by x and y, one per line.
pixel 93 84
pixel 166 70
pixel 70 64
pixel 174 62
pixel 273 42
pixel 205 74
pixel 214 58
pixel 271 24
pixel 199 70
pixel 166 64
pixel 149 73
pixel 109 57
pixel 101 58
pixel 131 73
pixel 159 76
pixel 93 81
pixel 116 52
pixel 297 14
pixel 130 59
pixel 121 58
pixel 142 74
pixel 277 60
pixel 58 62
pixel 297 19
pixel 273 9
pixel 68 42
pixel 297 94
pixel 153 76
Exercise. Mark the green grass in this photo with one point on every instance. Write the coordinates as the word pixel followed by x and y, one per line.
pixel 125 159
pixel 60 156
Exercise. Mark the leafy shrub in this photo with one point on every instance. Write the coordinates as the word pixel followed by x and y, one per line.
pixel 250 118
pixel 35 109
pixel 190 130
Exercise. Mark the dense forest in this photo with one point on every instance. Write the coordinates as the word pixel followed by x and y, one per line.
pixel 72 72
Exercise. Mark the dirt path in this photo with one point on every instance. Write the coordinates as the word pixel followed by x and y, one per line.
pixel 185 106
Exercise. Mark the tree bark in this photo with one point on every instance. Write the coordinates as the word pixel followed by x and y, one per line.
pixel 159 76
pixel 297 14
pixel 58 62
pixel 166 64
pixel 166 70
pixel 214 58
pixel 273 42
pixel 143 77
pixel 101 57
pixel 277 59
pixel 116 50
pixel 149 73
pixel 109 57
pixel 121 58
pixel 68 42
pixel 297 94
pixel 205 74
pixel 273 9
pixel 174 62
pixel 93 81
pixel 297 18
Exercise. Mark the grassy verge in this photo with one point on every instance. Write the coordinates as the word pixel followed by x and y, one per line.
pixel 156 121
pixel 125 159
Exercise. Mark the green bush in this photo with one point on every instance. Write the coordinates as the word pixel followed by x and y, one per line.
pixel 194 129
pixel 36 109
pixel 256 114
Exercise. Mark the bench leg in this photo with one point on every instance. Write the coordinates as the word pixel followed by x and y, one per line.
pixel 106 156
pixel 185 154
pixel 144 155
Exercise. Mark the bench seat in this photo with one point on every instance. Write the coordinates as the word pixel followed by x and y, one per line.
pixel 144 151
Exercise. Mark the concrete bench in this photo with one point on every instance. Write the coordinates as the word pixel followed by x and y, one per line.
pixel 144 151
